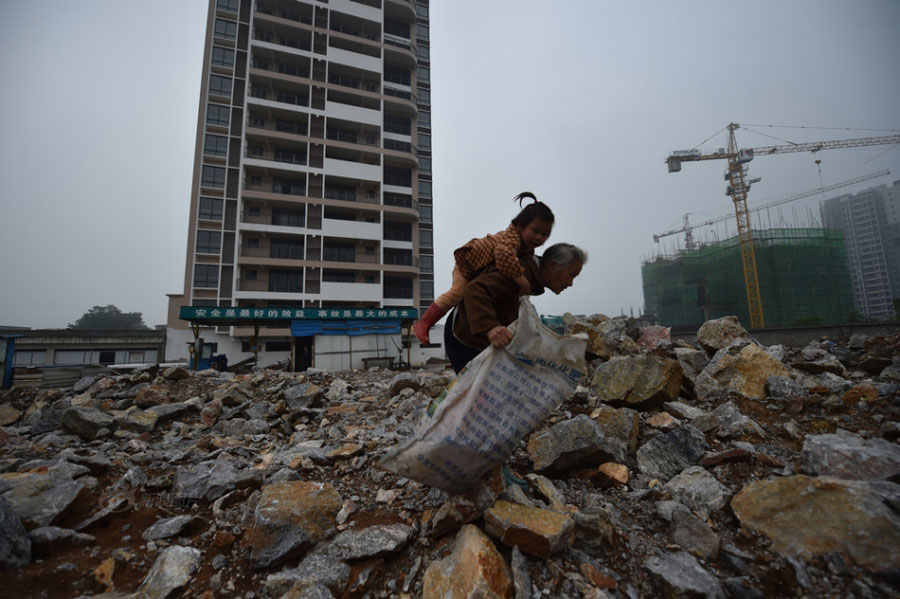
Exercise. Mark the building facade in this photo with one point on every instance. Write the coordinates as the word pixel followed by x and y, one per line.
pixel 312 183
pixel 870 221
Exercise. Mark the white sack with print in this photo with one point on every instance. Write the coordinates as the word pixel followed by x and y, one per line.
pixel 498 398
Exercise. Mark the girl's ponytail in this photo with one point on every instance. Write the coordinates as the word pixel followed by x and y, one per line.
pixel 536 209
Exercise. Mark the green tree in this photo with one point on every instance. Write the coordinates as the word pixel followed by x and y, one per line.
pixel 109 318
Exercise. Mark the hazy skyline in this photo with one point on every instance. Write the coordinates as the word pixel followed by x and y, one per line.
pixel 579 102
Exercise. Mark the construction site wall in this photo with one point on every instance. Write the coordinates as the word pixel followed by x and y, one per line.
pixel 803 280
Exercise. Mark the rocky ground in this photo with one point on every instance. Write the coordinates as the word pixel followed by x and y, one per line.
pixel 722 470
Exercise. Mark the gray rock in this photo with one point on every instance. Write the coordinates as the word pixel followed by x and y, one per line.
pixel 727 421
pixel 44 499
pixel 211 479
pixel 719 333
pixel 740 588
pixel 575 443
pixel 283 474
pixel 170 527
pixel 682 410
pixel 642 381
pixel 83 384
pixel 308 590
pixel 338 390
pixel 86 422
pixel 235 427
pixel 176 373
pixel 257 426
pixel 15 545
pixel 698 489
pixel 521 580
pixel 692 534
pixel 303 395
pixel 114 505
pixel 317 568
pixel 692 362
pixel 134 478
pixel 374 541
pixel 786 388
pixel 815 360
pixel 404 380
pixel 680 576
pixel 849 456
pixel 170 411
pixel 173 569
pixel 48 540
pixel 666 455
pixel 260 409
pixel 138 421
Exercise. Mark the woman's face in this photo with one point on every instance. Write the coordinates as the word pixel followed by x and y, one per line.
pixel 559 278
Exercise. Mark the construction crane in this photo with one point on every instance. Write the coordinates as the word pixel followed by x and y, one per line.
pixel 739 185
pixel 688 228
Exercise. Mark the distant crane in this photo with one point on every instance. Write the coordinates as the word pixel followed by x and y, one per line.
pixel 739 185
pixel 688 228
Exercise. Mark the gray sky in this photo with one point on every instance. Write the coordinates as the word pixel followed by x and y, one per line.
pixel 579 102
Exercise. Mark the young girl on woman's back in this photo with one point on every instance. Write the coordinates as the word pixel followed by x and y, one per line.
pixel 527 231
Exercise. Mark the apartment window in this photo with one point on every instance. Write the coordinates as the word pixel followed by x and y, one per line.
pixel 370 279
pixel 398 199
pixel 255 181
pixel 425 165
pixel 216 114
pixel 210 209
pixel 424 213
pixel 397 124
pixel 256 151
pixel 222 57
pixel 286 248
pixel 257 121
pixel 338 276
pixel 422 52
pixel 426 263
pixel 232 5
pixel 421 11
pixel 422 31
pixel 335 191
pixel 426 238
pixel 425 120
pixel 424 142
pixel 424 96
pixel 425 189
pixel 395 256
pixel 423 74
pixel 339 252
pixel 250 275
pixel 289 281
pixel 226 29
pixel 215 145
pixel 29 357
pixel 396 75
pixel 397 231
pixel 212 176
pixel 219 86
pixel 287 218
pixel 426 290
pixel 398 176
pixel 398 287
pixel 206 275
pixel 209 242
pixel 253 242
pixel 398 28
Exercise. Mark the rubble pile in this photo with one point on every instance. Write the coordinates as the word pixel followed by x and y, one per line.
pixel 721 470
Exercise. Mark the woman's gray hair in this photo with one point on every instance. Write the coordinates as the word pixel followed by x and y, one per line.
pixel 564 254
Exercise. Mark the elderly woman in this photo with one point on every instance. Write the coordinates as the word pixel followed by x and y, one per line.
pixel 491 301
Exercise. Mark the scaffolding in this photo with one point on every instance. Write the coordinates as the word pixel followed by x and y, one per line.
pixel 803 280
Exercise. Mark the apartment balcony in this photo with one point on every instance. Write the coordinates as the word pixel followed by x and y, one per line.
pixel 351 292
pixel 356 9
pixel 355 59
pixel 274 97
pixel 352 169
pixel 349 112
pixel 282 36
pixel 355 82
pixel 293 11
pixel 348 229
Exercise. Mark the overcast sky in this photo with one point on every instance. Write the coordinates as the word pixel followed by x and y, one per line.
pixel 577 101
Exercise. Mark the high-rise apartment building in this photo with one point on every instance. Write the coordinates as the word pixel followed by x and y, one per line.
pixel 870 221
pixel 312 170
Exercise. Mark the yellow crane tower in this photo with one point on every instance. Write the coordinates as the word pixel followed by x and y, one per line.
pixel 739 185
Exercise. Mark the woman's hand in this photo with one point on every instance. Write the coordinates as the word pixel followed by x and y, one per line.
pixel 499 336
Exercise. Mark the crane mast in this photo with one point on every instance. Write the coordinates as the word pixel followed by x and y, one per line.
pixel 739 185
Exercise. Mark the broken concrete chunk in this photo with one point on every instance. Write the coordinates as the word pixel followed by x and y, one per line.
pixel 847 455
pixel 719 333
pixel 642 382
pixel 574 443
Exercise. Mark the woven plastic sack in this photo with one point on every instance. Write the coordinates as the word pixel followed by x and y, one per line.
pixel 498 398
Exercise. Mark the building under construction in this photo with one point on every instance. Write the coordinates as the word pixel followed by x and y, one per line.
pixel 803 279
